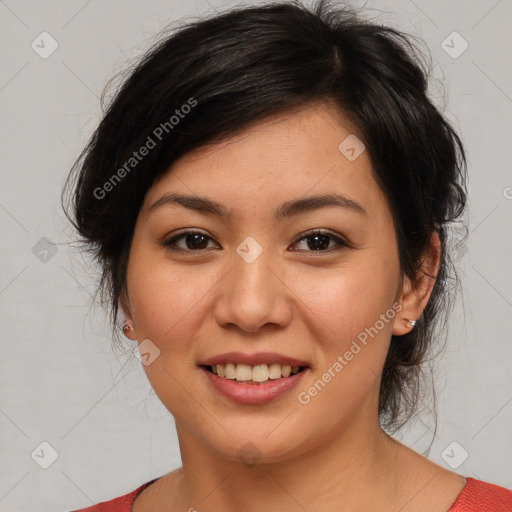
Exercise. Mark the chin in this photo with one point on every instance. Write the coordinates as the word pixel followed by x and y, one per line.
pixel 250 443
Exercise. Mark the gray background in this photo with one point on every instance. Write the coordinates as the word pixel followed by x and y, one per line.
pixel 61 382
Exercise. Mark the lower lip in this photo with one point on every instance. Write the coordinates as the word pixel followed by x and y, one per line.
pixel 263 393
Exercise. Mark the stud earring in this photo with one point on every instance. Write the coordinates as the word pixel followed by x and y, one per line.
pixel 127 326
pixel 412 322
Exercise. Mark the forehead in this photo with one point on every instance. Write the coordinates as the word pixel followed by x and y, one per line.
pixel 307 151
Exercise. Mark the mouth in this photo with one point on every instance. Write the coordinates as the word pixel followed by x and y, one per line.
pixel 254 379
pixel 257 374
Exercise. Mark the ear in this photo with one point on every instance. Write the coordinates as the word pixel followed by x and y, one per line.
pixel 415 294
pixel 124 305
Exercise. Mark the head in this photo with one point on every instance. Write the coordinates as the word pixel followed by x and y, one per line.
pixel 254 114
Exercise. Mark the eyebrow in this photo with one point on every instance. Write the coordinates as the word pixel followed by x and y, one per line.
pixel 283 211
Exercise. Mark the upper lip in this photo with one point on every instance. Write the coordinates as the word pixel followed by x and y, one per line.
pixel 253 359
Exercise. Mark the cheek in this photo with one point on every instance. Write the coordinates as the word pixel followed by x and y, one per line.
pixel 351 314
pixel 165 298
pixel 167 304
pixel 345 301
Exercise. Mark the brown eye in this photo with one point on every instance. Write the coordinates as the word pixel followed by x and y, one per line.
pixel 193 241
pixel 320 241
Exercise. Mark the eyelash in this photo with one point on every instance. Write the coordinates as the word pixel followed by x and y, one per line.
pixel 170 243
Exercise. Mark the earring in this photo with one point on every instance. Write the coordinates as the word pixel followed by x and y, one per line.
pixel 127 326
pixel 412 322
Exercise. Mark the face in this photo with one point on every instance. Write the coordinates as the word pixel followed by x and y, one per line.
pixel 261 276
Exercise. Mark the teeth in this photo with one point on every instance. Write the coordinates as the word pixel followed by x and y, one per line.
pixel 259 373
pixel 274 372
pixel 230 371
pixel 243 372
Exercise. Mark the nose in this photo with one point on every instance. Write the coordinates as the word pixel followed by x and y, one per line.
pixel 253 296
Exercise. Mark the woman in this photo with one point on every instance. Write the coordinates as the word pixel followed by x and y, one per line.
pixel 268 195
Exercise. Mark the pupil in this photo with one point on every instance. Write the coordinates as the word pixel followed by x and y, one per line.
pixel 196 244
pixel 317 244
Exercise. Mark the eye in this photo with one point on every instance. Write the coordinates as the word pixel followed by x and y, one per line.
pixel 192 241
pixel 319 241
pixel 196 241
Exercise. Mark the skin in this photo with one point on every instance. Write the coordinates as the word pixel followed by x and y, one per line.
pixel 328 454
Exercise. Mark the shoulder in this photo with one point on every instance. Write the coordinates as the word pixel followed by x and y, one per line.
pixel 478 496
pixel 119 504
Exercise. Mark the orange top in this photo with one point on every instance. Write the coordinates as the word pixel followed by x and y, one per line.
pixel 477 496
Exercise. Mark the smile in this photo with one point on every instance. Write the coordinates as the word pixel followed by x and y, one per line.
pixel 255 379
